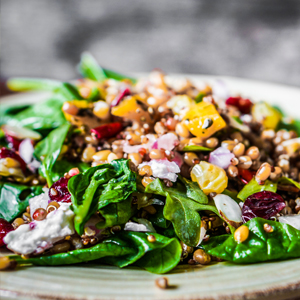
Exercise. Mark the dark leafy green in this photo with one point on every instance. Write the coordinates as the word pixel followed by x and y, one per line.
pixel 158 219
pixel 89 68
pixel 254 187
pixel 282 243
pixel 182 207
pixel 288 181
pixel 48 150
pixel 14 198
pixel 195 148
pixel 214 242
pixel 121 250
pixel 98 187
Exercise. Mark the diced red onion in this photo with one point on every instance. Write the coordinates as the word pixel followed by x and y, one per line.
pixel 178 159
pixel 167 141
pixel 221 157
pixel 220 89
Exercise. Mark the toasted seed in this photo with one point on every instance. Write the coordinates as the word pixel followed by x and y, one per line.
pixel 268 228
pixel 146 181
pixel 212 142
pixel 17 222
pixel 6 263
pixel 201 257
pixel 53 205
pixel 145 171
pixel 136 158
pixel 241 234
pixel 232 171
pixel 263 172
pixel 245 162
pixel 151 238
pixel 60 248
pixel 253 152
pixel 162 282
pixel 239 149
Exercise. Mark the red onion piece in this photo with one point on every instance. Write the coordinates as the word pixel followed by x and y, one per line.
pixel 221 157
pixel 108 130
pixel 243 105
pixel 124 92
pixel 167 141
pixel 262 204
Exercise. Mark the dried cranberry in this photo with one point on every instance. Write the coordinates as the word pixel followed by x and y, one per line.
pixel 107 131
pixel 59 191
pixel 5 228
pixel 243 105
pixel 13 142
pixel 4 153
pixel 124 92
pixel 246 175
pixel 262 204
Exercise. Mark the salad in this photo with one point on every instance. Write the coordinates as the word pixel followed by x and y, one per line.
pixel 152 172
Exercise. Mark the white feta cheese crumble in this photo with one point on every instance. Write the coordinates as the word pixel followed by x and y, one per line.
pixel 163 169
pixel 40 235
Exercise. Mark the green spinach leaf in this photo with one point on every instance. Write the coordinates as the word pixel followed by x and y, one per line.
pixel 282 243
pixel 121 250
pixel 254 187
pixel 14 198
pixel 49 149
pixel 182 208
pixel 195 148
pixel 99 187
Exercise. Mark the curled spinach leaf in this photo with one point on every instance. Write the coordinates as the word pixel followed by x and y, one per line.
pixel 99 187
pixel 121 250
pixel 14 198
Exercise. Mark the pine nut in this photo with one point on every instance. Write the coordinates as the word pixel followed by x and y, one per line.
pixel 156 154
pixel 241 234
pixel 212 142
pixel 159 128
pixel 162 282
pixel 70 109
pixel 101 109
pixel 232 171
pixel 182 130
pixel 263 172
pixel 228 144
pixel 239 150
pixel 136 158
pixel 253 152
pixel 17 222
pixel 189 158
pixel 146 181
pixel 245 162
pixel 111 157
pixel 100 155
pixel 145 170
pixel 87 154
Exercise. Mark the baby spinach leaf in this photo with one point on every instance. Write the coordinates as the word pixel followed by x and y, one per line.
pixel 159 257
pixel 89 68
pixel 282 243
pixel 19 84
pixel 49 149
pixel 254 187
pixel 158 219
pixel 14 198
pixel 288 181
pixel 117 213
pixel 62 166
pixel 214 242
pixel 99 187
pixel 40 116
pixel 182 209
pixel 121 250
pixel 195 148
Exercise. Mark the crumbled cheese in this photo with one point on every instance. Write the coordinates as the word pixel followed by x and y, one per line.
pixel 40 235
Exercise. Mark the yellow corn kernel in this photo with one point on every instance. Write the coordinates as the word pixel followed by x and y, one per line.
pixel 203 120
pixel 125 108
pixel 101 109
pixel 265 114
pixel 211 178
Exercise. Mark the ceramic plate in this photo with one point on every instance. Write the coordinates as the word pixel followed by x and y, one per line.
pixel 274 280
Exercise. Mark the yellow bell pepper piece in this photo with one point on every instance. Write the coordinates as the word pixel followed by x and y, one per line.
pixel 203 120
pixel 265 114
pixel 125 108
pixel 211 178
pixel 78 103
